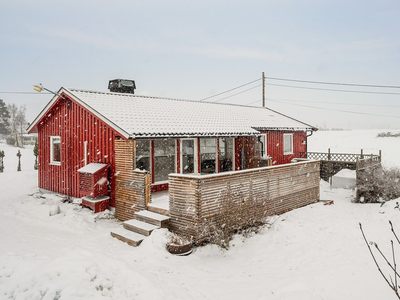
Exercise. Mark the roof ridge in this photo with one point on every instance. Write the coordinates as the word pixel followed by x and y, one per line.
pixel 165 98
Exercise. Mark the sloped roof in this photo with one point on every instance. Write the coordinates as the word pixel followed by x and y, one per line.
pixel 151 117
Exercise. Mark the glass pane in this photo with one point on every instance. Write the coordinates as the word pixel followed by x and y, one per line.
pixel 288 147
pixel 56 150
pixel 188 156
pixel 143 155
pixel 208 155
pixel 164 159
pixel 226 151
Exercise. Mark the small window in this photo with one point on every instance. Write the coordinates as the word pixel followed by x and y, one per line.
pixel 288 143
pixel 55 150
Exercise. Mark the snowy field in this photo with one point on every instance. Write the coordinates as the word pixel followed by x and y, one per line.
pixel 316 252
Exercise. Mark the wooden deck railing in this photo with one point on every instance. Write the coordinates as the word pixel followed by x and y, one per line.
pixel 194 198
pixel 340 157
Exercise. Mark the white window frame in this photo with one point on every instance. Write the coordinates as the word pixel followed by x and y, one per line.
pixel 52 162
pixel 85 153
pixel 284 143
pixel 264 144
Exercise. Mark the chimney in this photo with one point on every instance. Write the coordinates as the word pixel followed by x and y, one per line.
pixel 122 86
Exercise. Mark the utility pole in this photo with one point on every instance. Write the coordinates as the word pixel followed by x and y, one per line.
pixel 263 83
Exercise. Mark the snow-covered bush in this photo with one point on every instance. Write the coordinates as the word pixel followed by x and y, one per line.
pixel 236 214
pixel 377 184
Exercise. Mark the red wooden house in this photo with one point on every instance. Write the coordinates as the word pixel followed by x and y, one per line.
pixel 78 127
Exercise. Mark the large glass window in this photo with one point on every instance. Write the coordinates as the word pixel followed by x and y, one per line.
pixel 288 143
pixel 188 159
pixel 208 155
pixel 164 159
pixel 143 155
pixel 55 150
pixel 226 154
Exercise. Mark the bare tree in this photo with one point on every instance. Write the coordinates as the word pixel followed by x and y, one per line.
pixel 13 111
pixel 21 122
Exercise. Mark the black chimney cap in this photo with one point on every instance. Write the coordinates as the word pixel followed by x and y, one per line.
pixel 122 86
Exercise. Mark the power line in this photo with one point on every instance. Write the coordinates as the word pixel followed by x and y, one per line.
pixel 340 110
pixel 231 89
pixel 35 93
pixel 341 103
pixel 335 90
pixel 336 83
pixel 239 93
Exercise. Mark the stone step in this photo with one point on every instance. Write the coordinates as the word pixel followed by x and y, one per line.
pixel 139 227
pixel 152 218
pixel 131 238
pixel 158 210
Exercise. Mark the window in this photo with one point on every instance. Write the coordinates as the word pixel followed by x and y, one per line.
pixel 288 143
pixel 143 155
pixel 263 145
pixel 208 155
pixel 164 159
pixel 55 150
pixel 226 154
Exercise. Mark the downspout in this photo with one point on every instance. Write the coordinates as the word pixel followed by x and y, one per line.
pixel 311 133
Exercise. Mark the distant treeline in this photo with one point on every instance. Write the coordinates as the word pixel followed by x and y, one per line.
pixel 388 134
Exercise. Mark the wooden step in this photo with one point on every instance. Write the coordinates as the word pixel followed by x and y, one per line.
pixel 152 218
pixel 131 238
pixel 158 210
pixel 139 227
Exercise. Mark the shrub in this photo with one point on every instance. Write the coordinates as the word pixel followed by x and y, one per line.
pixel 377 184
pixel 235 215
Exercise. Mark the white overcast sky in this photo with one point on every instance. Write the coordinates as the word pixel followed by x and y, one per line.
pixel 195 49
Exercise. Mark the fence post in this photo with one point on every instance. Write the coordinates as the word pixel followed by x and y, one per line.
pixel 380 156
pixel 329 153
pixel 357 180
pixel 362 153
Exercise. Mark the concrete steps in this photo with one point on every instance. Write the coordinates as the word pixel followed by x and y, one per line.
pixel 135 230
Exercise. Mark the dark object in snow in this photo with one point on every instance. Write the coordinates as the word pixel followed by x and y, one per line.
pixel 36 153
pixel 397 206
pixel 122 86
pixel 19 160
pixel 329 203
pixel 2 161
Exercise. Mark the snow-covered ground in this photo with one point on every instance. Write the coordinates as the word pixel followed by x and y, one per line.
pixel 315 252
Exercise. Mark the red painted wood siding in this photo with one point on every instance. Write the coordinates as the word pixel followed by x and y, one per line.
pixel 75 126
pixel 275 146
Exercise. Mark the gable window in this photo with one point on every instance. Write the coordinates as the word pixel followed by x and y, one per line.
pixel 55 150
pixel 288 143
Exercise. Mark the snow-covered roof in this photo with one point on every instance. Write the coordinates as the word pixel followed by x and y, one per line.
pixel 92 168
pixel 137 116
